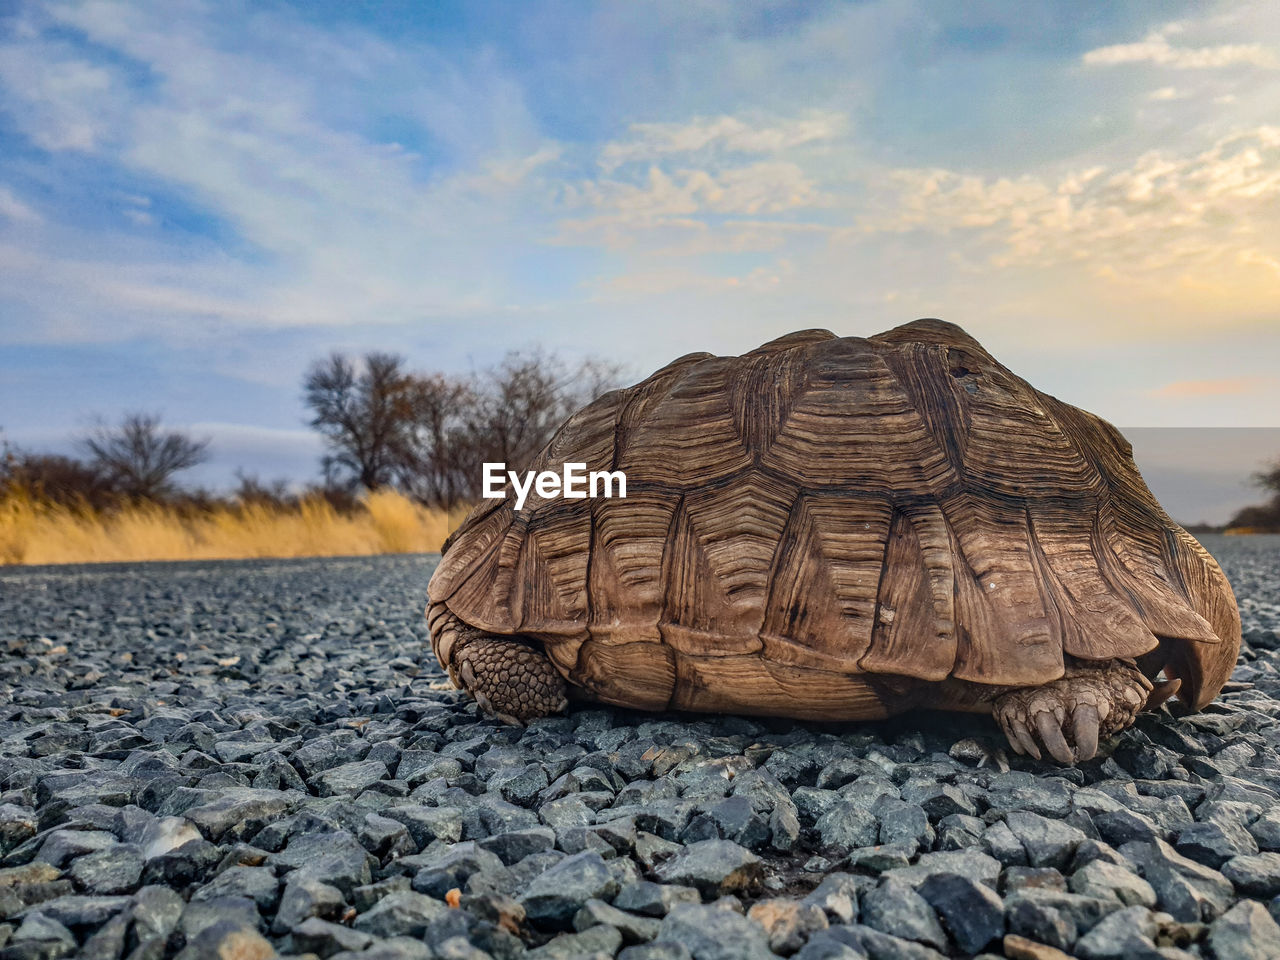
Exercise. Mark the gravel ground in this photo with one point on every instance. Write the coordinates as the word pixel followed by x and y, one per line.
pixel 230 759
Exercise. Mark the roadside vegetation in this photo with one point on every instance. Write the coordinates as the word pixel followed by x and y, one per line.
pixel 1265 517
pixel 403 465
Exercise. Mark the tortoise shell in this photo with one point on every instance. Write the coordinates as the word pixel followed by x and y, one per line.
pixel 841 528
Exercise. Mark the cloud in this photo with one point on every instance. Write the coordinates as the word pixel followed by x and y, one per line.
pixel 728 134
pixel 14 209
pixel 318 220
pixel 735 208
pixel 1157 49
pixel 1210 388
pixel 1209 216
pixel 62 101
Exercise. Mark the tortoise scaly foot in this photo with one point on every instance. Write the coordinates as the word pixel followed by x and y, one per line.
pixel 509 680
pixel 1068 716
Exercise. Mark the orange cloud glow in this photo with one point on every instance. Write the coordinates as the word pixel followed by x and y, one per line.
pixel 1209 388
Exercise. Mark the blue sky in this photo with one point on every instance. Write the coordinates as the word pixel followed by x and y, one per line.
pixel 197 199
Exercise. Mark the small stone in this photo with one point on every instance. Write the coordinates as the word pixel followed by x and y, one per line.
pixel 1245 932
pixel 240 813
pixel 938 800
pixel 1127 934
pixel 514 845
pixel 114 869
pixel 305 897
pixel 1188 890
pixel 53 938
pixel 999 841
pixel 167 834
pixel 714 867
pixel 225 939
pixel 970 911
pixel 824 946
pixel 1040 922
pixel 17 824
pixel 1125 826
pixel 454 948
pixel 321 937
pixel 657 950
pixel 556 895
pixel 845 826
pixel 454 866
pixel 1020 878
pixel 190 863
pixel 634 928
pixel 788 923
pixel 83 912
pixel 1213 844
pixel 336 858
pixel 1266 830
pixel 363 898
pixel 1257 875
pixel 402 913
pixel 784 827
pixel 713 933
pixel 1098 879
pixel 968 863
pixel 896 909
pixel 259 884
pixel 385 838
pixel 652 850
pixel 521 785
pixel 199 914
pixel 904 823
pixel 1048 843
pixel 426 824
pixel 1022 948
pixel 596 942
pixel 61 846
pixel 654 899
pixel 883 946
pixel 108 941
pixel 156 912
pixel 837 896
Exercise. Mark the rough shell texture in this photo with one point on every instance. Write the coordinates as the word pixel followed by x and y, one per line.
pixel 826 526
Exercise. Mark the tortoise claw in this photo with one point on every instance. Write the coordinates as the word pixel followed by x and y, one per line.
pixel 1047 725
pixel 1023 742
pixel 1162 692
pixel 1100 699
pixel 1084 729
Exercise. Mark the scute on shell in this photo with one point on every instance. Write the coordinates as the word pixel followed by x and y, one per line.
pixel 810 523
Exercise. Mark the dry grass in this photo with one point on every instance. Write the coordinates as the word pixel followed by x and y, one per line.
pixel 35 532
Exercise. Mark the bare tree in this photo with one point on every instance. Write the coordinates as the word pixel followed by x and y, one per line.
pixel 251 491
pixel 432 462
pixel 140 458
pixel 430 434
pixel 1269 479
pixel 362 414
pixel 523 401
pixel 1264 517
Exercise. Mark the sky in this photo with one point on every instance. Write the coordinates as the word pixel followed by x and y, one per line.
pixel 197 200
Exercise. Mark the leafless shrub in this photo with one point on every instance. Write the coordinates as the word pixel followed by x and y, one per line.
pixel 139 458
pixel 430 434
pixel 361 413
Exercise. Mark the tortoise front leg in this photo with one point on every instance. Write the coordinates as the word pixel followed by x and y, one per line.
pixel 510 680
pixel 1067 716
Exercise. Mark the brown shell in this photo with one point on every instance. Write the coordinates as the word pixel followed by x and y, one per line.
pixel 824 524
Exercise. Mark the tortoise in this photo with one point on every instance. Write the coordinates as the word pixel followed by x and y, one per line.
pixel 837 528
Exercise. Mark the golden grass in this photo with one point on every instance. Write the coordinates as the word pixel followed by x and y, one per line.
pixel 33 532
